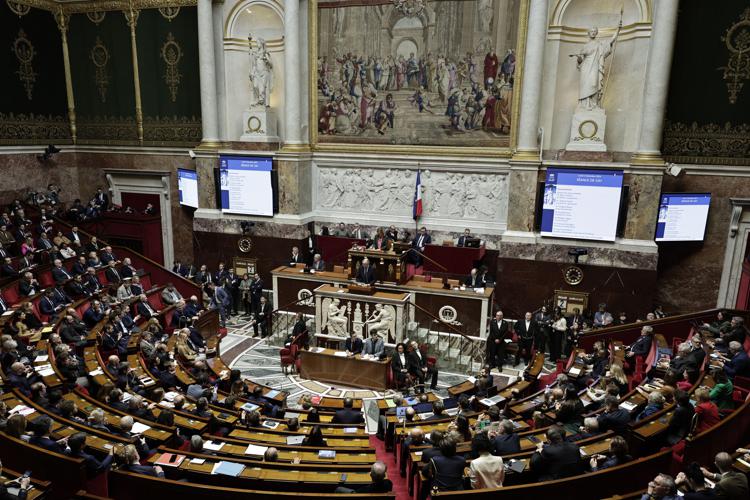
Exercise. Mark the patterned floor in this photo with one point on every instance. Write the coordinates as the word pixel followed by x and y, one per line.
pixel 259 361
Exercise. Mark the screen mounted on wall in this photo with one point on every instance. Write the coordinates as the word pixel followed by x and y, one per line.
pixel 682 216
pixel 246 186
pixel 187 186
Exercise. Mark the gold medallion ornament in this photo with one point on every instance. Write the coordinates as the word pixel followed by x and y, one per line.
pixel 18 8
pixel 253 125
pixel 25 53
pixel 171 53
pixel 96 17
pixel 245 244
pixel 737 70
pixel 100 57
pixel 169 13
pixel 573 275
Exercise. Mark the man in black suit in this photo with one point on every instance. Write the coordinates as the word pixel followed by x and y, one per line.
pixel 262 318
pixel 526 329
pixel 144 309
pixel 220 274
pixel 101 199
pixel 111 272
pixel 353 344
pixel 642 346
pixel 507 442
pixel 420 368
pixel 557 459
pixel 496 341
pixel 76 239
pixel 127 270
pixel 296 257
pixel 43 243
pixel 365 273
pixel 75 287
pixel 347 415
pixel 28 286
pixel 256 291
pixel 93 314
pixel 80 266
pixel 462 239
pixel 107 256
pixel 41 437
pixel 614 418
pixel 94 466
pixel 47 305
pixel 59 273
pixel 7 269
pixel 91 281
pixel 419 243
pixel 203 276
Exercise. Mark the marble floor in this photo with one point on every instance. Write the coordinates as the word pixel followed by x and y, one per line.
pixel 258 360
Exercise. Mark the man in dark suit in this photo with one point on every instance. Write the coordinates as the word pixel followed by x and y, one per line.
pixel 59 273
pixel 318 263
pixel 347 415
pixel 43 243
pixel 94 466
pixel 127 270
pixel 420 368
pixel 738 363
pixel 111 273
pixel 7 269
pixel 144 309
pixel 76 239
pixel 256 291
pixel 296 257
pixel 220 274
pixel 557 459
pixel 21 377
pixel 507 442
pixel 526 330
pixel 419 243
pixel 365 273
pixel 75 287
pixel 28 286
pixel 262 318
pixel 41 437
pixel 473 280
pixel 91 281
pixel 353 344
pixel 178 268
pixel 614 418
pixel 642 346
pixel 101 199
pixel 47 305
pixel 93 314
pixel 496 341
pixel 136 288
pixel 728 483
pixel 203 276
pixel 80 266
pixel 462 239
pixel 107 256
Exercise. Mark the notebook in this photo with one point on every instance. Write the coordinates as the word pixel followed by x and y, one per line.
pixel 228 469
pixel 270 424
pixel 292 440
pixel 327 454
pixel 271 394
pixel 249 407
pixel 170 460
pixel 255 450
pixel 210 445
pixel 517 466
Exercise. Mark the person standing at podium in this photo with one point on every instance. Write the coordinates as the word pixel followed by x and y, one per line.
pixel 365 273
pixel 419 243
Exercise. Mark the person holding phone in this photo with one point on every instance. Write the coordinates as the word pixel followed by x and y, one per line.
pixel 23 484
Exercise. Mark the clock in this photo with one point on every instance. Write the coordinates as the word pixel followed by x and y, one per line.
pixel 573 275
pixel 245 245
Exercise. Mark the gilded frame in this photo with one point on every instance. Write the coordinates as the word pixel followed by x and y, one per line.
pixel 501 152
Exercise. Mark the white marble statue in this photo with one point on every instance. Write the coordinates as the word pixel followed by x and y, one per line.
pixel 590 62
pixel 337 320
pixel 261 72
pixel 381 321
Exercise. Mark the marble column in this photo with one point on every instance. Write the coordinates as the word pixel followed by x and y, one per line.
pixel 207 73
pixel 656 87
pixel 531 91
pixel 221 90
pixel 292 74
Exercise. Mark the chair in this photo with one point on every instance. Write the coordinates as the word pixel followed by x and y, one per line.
pixel 651 358
pixel 288 356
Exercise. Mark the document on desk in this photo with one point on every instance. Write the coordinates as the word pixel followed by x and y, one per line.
pixel 271 394
pixel 39 359
pixel 255 450
pixel 628 406
pixel 340 354
pixel 139 428
pixel 249 407
pixel 317 349
pixel 228 469
pixel 210 445
pixel 293 440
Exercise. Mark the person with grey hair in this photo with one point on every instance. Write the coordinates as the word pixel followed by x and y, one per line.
pixel 196 444
pixel 642 345
pixel 318 264
pixel 507 441
pixel 380 484
pixel 558 458
pixel 96 420
pixel 662 487
pixel 729 483
pixel 415 438
pixel 271 455
pixel 655 404
pixel 737 332
pixel 737 363
pixel 365 273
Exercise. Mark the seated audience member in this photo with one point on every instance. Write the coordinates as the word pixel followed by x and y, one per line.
pixel 722 391
pixel 415 438
pixel 684 361
pixel 617 455
pixel 130 459
pixel 438 411
pixel 271 455
pixel 642 346
pixel 28 285
pixel 170 295
pixel 735 333
pixel 707 411
pixel 23 484
pixel 348 415
pixel 682 418
pixel 729 483
pixel 379 482
pixel 556 459
pixel 506 442
pixel 662 487
pixel 21 377
pixel 96 420
pixel 692 484
pixel 614 418
pixel 655 404
pixel 589 429
pixel 94 466
pixel 315 438
pixel 486 471
pixel 135 286
pixel 144 309
pixel 41 437
pixel 446 469
pixel 353 344
pixel 473 280
pixel 7 270
pixel 738 362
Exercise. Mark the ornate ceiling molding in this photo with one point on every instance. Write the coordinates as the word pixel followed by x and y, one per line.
pixel 104 5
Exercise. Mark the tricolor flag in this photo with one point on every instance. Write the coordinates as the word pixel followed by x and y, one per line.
pixel 417 208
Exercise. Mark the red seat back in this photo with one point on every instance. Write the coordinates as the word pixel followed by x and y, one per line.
pixel 11 293
pixel 45 279
pixel 651 358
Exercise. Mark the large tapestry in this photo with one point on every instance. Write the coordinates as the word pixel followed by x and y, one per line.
pixel 708 115
pixel 417 72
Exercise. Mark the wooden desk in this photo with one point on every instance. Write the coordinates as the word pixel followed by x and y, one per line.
pixel 350 371
pixel 390 267
pixel 457 260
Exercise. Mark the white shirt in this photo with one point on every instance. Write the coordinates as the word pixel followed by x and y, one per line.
pixel 402 357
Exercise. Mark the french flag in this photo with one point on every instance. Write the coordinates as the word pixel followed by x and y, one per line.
pixel 417 208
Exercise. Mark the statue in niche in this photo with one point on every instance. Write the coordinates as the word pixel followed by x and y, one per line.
pixel 261 72
pixel 590 62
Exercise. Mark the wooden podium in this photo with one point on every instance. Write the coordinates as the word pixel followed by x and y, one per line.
pixel 390 267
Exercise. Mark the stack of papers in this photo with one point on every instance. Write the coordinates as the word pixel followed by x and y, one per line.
pixel 139 428
pixel 340 353
pixel 39 359
pixel 574 371
pixel 291 414
pixel 228 469
pixel 170 460
pixel 254 450
pixel 22 410
pixel 210 445
pixel 96 372
pixel 628 406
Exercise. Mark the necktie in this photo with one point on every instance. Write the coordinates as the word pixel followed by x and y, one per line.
pixel 65 272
